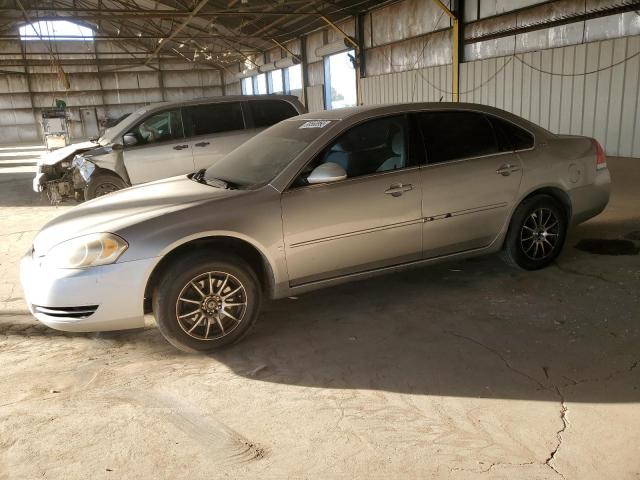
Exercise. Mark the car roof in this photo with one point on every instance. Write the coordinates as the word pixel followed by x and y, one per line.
pixel 359 113
pixel 223 99
pixel 345 113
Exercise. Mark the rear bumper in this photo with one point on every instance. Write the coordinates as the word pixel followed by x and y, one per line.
pixel 64 299
pixel 589 200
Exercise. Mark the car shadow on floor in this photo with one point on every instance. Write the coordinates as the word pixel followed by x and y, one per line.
pixel 474 329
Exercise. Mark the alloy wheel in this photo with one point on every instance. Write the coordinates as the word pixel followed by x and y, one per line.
pixel 211 305
pixel 539 234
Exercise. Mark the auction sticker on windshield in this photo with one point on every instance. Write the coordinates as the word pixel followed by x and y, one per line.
pixel 315 124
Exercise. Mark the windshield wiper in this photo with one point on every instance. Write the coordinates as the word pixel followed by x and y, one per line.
pixel 213 182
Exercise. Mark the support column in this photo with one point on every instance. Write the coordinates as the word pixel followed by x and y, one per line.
pixel 161 80
pixel 456 21
pixel 222 85
pixel 305 74
pixel 29 89
pixel 360 19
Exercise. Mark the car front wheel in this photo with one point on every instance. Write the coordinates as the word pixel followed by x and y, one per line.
pixel 205 302
pixel 536 233
pixel 103 183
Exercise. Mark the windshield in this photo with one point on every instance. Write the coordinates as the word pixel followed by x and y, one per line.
pixel 111 133
pixel 262 158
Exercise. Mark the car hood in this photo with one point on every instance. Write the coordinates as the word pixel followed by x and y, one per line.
pixel 51 158
pixel 124 208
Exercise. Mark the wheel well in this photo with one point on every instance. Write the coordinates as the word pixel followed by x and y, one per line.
pixel 559 195
pixel 243 249
pixel 107 171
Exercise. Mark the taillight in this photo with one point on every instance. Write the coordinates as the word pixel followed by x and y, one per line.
pixel 601 159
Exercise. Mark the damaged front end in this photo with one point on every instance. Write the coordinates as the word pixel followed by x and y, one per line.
pixel 67 178
pixel 56 182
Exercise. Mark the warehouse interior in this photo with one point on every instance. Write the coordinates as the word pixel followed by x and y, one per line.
pixel 452 371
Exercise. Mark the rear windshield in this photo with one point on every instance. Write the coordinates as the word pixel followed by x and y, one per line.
pixel 262 158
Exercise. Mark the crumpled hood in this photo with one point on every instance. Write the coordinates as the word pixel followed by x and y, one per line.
pixel 51 158
pixel 126 207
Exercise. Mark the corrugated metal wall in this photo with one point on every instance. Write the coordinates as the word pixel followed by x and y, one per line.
pixel 423 85
pixel 95 93
pixel 552 88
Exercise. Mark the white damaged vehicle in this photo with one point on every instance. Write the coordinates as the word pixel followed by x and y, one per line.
pixel 159 141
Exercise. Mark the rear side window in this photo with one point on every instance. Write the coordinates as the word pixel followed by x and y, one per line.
pixel 456 135
pixel 510 137
pixel 213 118
pixel 269 112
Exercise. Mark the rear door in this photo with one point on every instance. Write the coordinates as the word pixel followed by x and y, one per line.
pixel 214 129
pixel 469 182
pixel 160 149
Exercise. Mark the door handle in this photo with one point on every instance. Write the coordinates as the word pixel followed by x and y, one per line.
pixel 202 144
pixel 180 147
pixel 507 169
pixel 398 189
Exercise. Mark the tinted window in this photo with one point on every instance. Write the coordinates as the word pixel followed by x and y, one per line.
pixel 510 137
pixel 372 147
pixel 213 118
pixel 455 135
pixel 269 112
pixel 159 127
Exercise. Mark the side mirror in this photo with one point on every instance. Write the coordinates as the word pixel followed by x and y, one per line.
pixel 129 139
pixel 327 173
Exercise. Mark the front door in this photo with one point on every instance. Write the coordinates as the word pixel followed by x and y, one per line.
pixel 469 183
pixel 370 220
pixel 156 148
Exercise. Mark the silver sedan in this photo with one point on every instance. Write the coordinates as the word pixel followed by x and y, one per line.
pixel 313 201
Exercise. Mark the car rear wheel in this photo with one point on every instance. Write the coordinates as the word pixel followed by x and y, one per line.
pixel 536 233
pixel 103 183
pixel 205 302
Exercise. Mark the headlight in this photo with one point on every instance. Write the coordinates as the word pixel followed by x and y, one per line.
pixel 85 168
pixel 86 251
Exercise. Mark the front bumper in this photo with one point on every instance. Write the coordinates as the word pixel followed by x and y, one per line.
pixel 116 290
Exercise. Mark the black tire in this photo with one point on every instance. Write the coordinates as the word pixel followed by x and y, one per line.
pixel 177 280
pixel 538 225
pixel 103 183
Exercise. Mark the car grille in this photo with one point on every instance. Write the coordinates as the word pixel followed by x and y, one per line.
pixel 68 312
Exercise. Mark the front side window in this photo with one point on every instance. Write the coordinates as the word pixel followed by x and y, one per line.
pixel 213 118
pixel 269 112
pixel 340 80
pixel 372 147
pixel 158 128
pixel 454 135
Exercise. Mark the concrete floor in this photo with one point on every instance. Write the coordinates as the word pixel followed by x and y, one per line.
pixel 444 372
